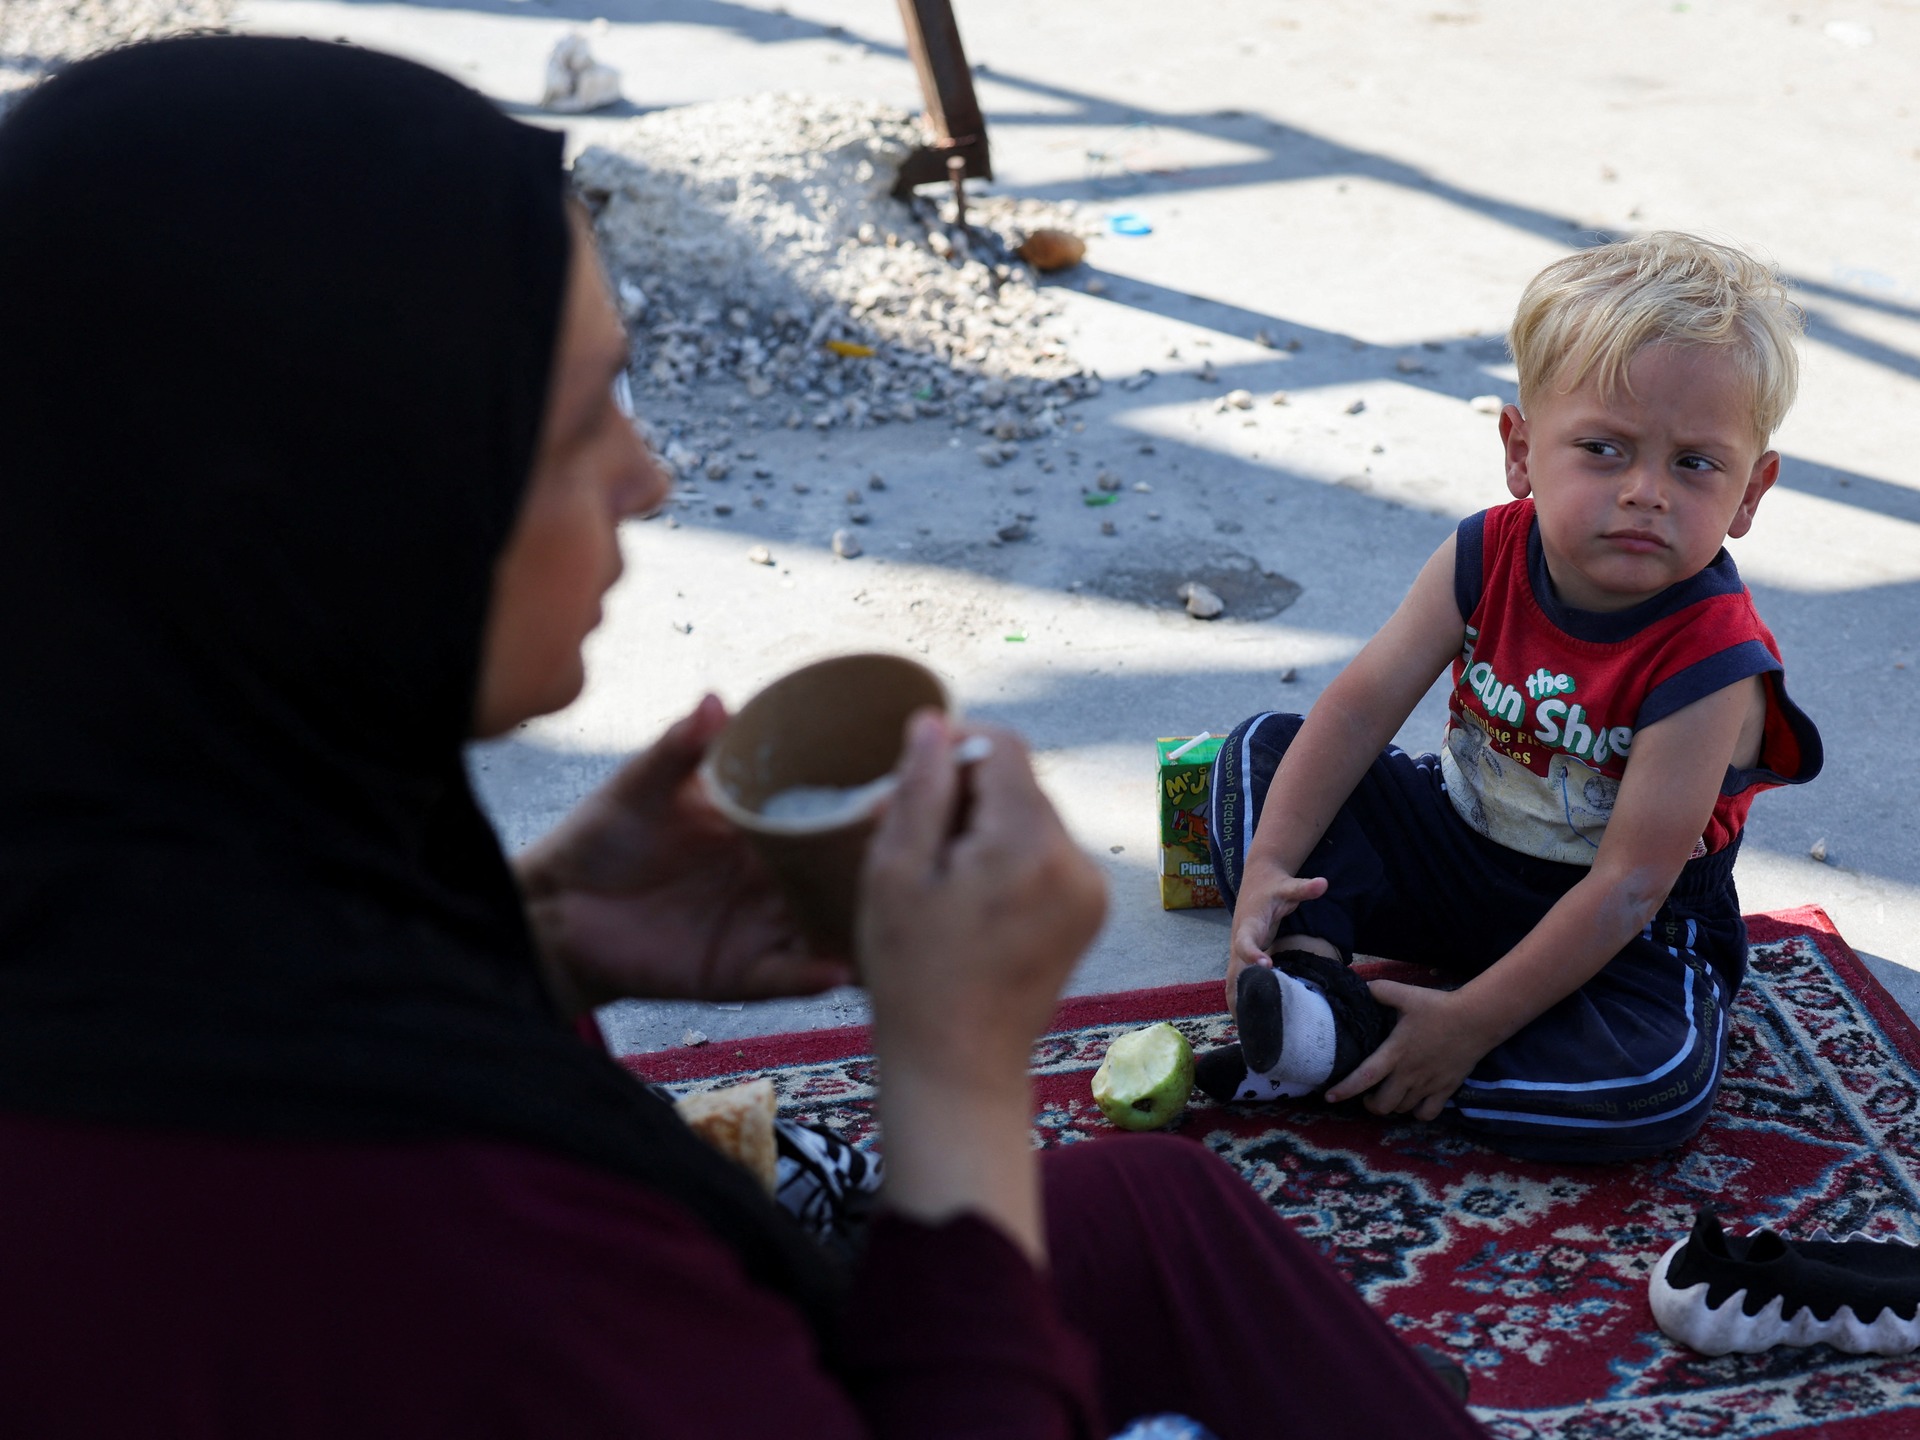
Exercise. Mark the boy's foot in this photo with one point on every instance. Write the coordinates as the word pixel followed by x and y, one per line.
pixel 1304 1025
pixel 1721 1293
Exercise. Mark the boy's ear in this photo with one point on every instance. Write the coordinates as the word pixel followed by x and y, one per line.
pixel 1513 436
pixel 1766 470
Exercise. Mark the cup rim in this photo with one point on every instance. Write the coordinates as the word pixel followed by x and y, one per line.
pixel 748 819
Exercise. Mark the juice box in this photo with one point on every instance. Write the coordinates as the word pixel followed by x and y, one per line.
pixel 1186 784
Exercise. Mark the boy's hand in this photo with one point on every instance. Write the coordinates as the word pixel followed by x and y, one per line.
pixel 1268 894
pixel 1419 1066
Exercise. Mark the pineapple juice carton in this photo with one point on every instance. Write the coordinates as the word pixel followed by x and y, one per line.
pixel 1187 881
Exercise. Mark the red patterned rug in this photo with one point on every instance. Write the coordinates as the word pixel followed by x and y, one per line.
pixel 1534 1276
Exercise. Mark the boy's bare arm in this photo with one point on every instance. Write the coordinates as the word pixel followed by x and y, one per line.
pixel 1349 725
pixel 1665 801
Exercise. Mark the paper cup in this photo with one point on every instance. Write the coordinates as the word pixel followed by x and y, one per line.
pixel 836 724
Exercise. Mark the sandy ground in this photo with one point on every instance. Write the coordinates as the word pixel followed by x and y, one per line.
pixel 1375 180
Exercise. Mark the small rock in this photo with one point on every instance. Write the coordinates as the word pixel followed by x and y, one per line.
pixel 760 555
pixel 1280 397
pixel 723 509
pixel 1292 346
pixel 938 242
pixel 1141 487
pixel 1048 250
pixel 853 497
pixel 1240 399
pixel 1206 374
pixel 990 455
pixel 858 517
pixel 1289 675
pixel 846 544
pixel 1107 480
pixel 876 482
pixel 800 487
pixel 1487 404
pixel 693 1039
pixel 1407 365
pixel 718 470
pixel 1010 533
pixel 1264 340
pixel 685 627
pixel 1107 528
pixel 1202 603
pixel 1139 381
pixel 1153 514
pixel 1818 850
pixel 1357 407
pixel 1096 286
pixel 576 82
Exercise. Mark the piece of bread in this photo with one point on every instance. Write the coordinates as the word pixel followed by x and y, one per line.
pixel 737 1120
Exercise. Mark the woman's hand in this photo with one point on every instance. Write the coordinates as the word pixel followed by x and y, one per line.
pixel 646 890
pixel 1267 895
pixel 976 905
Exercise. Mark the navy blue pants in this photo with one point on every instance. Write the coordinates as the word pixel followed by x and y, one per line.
pixel 1624 1067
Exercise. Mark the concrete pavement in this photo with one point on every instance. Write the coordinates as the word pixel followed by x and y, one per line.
pixel 1375 181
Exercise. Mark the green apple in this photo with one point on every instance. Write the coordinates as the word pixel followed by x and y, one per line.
pixel 1144 1082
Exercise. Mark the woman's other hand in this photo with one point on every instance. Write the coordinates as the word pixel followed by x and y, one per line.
pixel 976 905
pixel 647 891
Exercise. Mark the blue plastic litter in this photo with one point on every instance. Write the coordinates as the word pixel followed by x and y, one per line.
pixel 1128 223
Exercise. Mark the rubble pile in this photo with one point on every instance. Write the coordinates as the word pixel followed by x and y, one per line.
pixel 39 36
pixel 754 244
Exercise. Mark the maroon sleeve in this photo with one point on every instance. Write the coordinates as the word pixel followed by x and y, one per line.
pixel 952 1332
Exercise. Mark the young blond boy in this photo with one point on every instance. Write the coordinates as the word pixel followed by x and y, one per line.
pixel 1616 705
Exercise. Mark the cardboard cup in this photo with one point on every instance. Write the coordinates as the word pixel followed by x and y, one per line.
pixel 840 723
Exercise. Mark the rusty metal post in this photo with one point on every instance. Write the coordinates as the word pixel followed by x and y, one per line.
pixel 946 84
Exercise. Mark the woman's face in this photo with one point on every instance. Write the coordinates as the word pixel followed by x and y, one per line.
pixel 590 472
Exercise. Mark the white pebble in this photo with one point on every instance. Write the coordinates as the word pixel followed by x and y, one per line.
pixel 1202 603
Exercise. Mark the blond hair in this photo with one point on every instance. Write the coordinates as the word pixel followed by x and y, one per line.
pixel 1588 315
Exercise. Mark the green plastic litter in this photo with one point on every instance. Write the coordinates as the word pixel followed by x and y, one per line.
pixel 1016 639
pixel 1104 497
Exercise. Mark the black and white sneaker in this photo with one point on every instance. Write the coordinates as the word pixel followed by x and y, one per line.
pixel 829 1186
pixel 1360 1023
pixel 1719 1293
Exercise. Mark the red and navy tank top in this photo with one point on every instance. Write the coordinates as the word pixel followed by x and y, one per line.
pixel 1547 699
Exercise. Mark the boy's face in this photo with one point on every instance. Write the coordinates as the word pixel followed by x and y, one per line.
pixel 1636 492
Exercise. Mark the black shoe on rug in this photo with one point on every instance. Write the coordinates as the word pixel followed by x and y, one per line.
pixel 1722 1294
pixel 1221 1074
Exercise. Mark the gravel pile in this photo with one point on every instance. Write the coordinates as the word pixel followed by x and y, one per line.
pixel 38 36
pixel 755 247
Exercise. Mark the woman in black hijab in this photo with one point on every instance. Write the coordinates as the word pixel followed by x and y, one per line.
pixel 311 473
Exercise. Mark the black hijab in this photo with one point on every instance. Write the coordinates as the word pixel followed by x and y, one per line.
pixel 276 322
